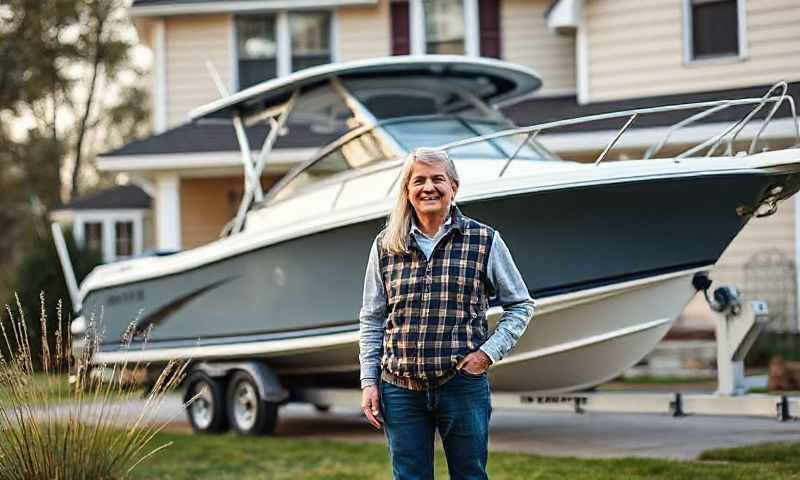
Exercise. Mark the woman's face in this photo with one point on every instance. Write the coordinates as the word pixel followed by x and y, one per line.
pixel 430 191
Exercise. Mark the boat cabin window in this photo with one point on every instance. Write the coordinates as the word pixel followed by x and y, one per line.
pixel 359 152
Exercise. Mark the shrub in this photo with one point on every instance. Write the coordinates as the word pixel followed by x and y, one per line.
pixel 71 430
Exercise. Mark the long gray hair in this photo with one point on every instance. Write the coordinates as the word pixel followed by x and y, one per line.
pixel 395 240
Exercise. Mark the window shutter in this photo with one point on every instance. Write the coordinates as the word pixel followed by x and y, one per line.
pixel 489 15
pixel 401 34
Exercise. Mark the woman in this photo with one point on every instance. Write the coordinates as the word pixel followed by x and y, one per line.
pixel 425 345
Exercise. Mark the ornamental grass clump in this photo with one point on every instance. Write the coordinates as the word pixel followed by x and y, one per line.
pixel 61 417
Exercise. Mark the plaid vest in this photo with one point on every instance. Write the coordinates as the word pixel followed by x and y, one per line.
pixel 436 309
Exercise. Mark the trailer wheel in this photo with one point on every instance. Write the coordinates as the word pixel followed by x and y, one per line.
pixel 248 413
pixel 207 412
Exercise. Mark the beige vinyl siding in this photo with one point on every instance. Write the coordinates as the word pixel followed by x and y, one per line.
pixel 635 49
pixel 363 32
pixel 759 235
pixel 526 40
pixel 775 231
pixel 207 204
pixel 190 41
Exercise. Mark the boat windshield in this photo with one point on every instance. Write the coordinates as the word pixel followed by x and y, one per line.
pixel 407 113
pixel 359 152
pixel 431 132
pixel 406 96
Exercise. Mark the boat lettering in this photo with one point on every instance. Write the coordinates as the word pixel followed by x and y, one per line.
pixel 125 297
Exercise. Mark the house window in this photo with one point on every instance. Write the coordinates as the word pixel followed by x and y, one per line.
pixel 93 236
pixel 123 239
pixel 257 49
pixel 714 29
pixel 459 27
pixel 311 36
pixel 273 45
pixel 444 26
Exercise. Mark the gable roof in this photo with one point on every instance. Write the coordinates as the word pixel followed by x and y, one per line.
pixel 218 136
pixel 123 197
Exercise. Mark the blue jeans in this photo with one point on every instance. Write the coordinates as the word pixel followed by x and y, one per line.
pixel 460 409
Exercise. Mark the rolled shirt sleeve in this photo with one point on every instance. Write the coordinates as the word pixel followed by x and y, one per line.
pixel 513 296
pixel 371 321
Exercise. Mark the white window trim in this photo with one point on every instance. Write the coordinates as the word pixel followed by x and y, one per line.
pixel 472 30
pixel 582 58
pixel 233 38
pixel 283 37
pixel 688 53
pixel 158 115
pixel 108 218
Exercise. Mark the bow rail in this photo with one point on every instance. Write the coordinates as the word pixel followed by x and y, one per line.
pixel 727 135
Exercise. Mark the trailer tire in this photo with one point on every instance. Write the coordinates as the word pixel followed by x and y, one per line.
pixel 206 412
pixel 248 413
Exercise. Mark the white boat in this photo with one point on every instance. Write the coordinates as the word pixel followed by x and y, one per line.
pixel 608 249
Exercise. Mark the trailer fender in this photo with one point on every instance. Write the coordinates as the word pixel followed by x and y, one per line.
pixel 267 382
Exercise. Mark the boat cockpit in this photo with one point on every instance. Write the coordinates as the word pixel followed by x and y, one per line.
pixel 377 110
pixel 382 120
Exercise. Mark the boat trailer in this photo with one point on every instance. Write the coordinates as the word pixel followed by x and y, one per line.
pixel 737 328
pixel 738 325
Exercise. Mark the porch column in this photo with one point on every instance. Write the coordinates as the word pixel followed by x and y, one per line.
pixel 168 212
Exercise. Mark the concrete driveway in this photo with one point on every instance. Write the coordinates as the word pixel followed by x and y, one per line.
pixel 551 433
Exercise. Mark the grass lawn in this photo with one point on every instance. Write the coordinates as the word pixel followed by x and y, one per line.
pixel 45 388
pixel 230 457
pixel 54 389
pixel 781 453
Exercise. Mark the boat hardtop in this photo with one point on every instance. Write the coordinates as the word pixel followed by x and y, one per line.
pixel 497 80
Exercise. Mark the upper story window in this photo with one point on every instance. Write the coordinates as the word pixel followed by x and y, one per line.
pixel 458 27
pixel 257 48
pixel 311 39
pixel 444 26
pixel 714 29
pixel 273 45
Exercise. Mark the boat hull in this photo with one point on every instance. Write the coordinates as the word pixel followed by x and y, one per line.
pixel 287 301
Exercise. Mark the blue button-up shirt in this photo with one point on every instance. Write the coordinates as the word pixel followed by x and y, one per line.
pixel 512 295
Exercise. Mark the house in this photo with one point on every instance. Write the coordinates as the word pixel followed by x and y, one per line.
pixel 593 56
